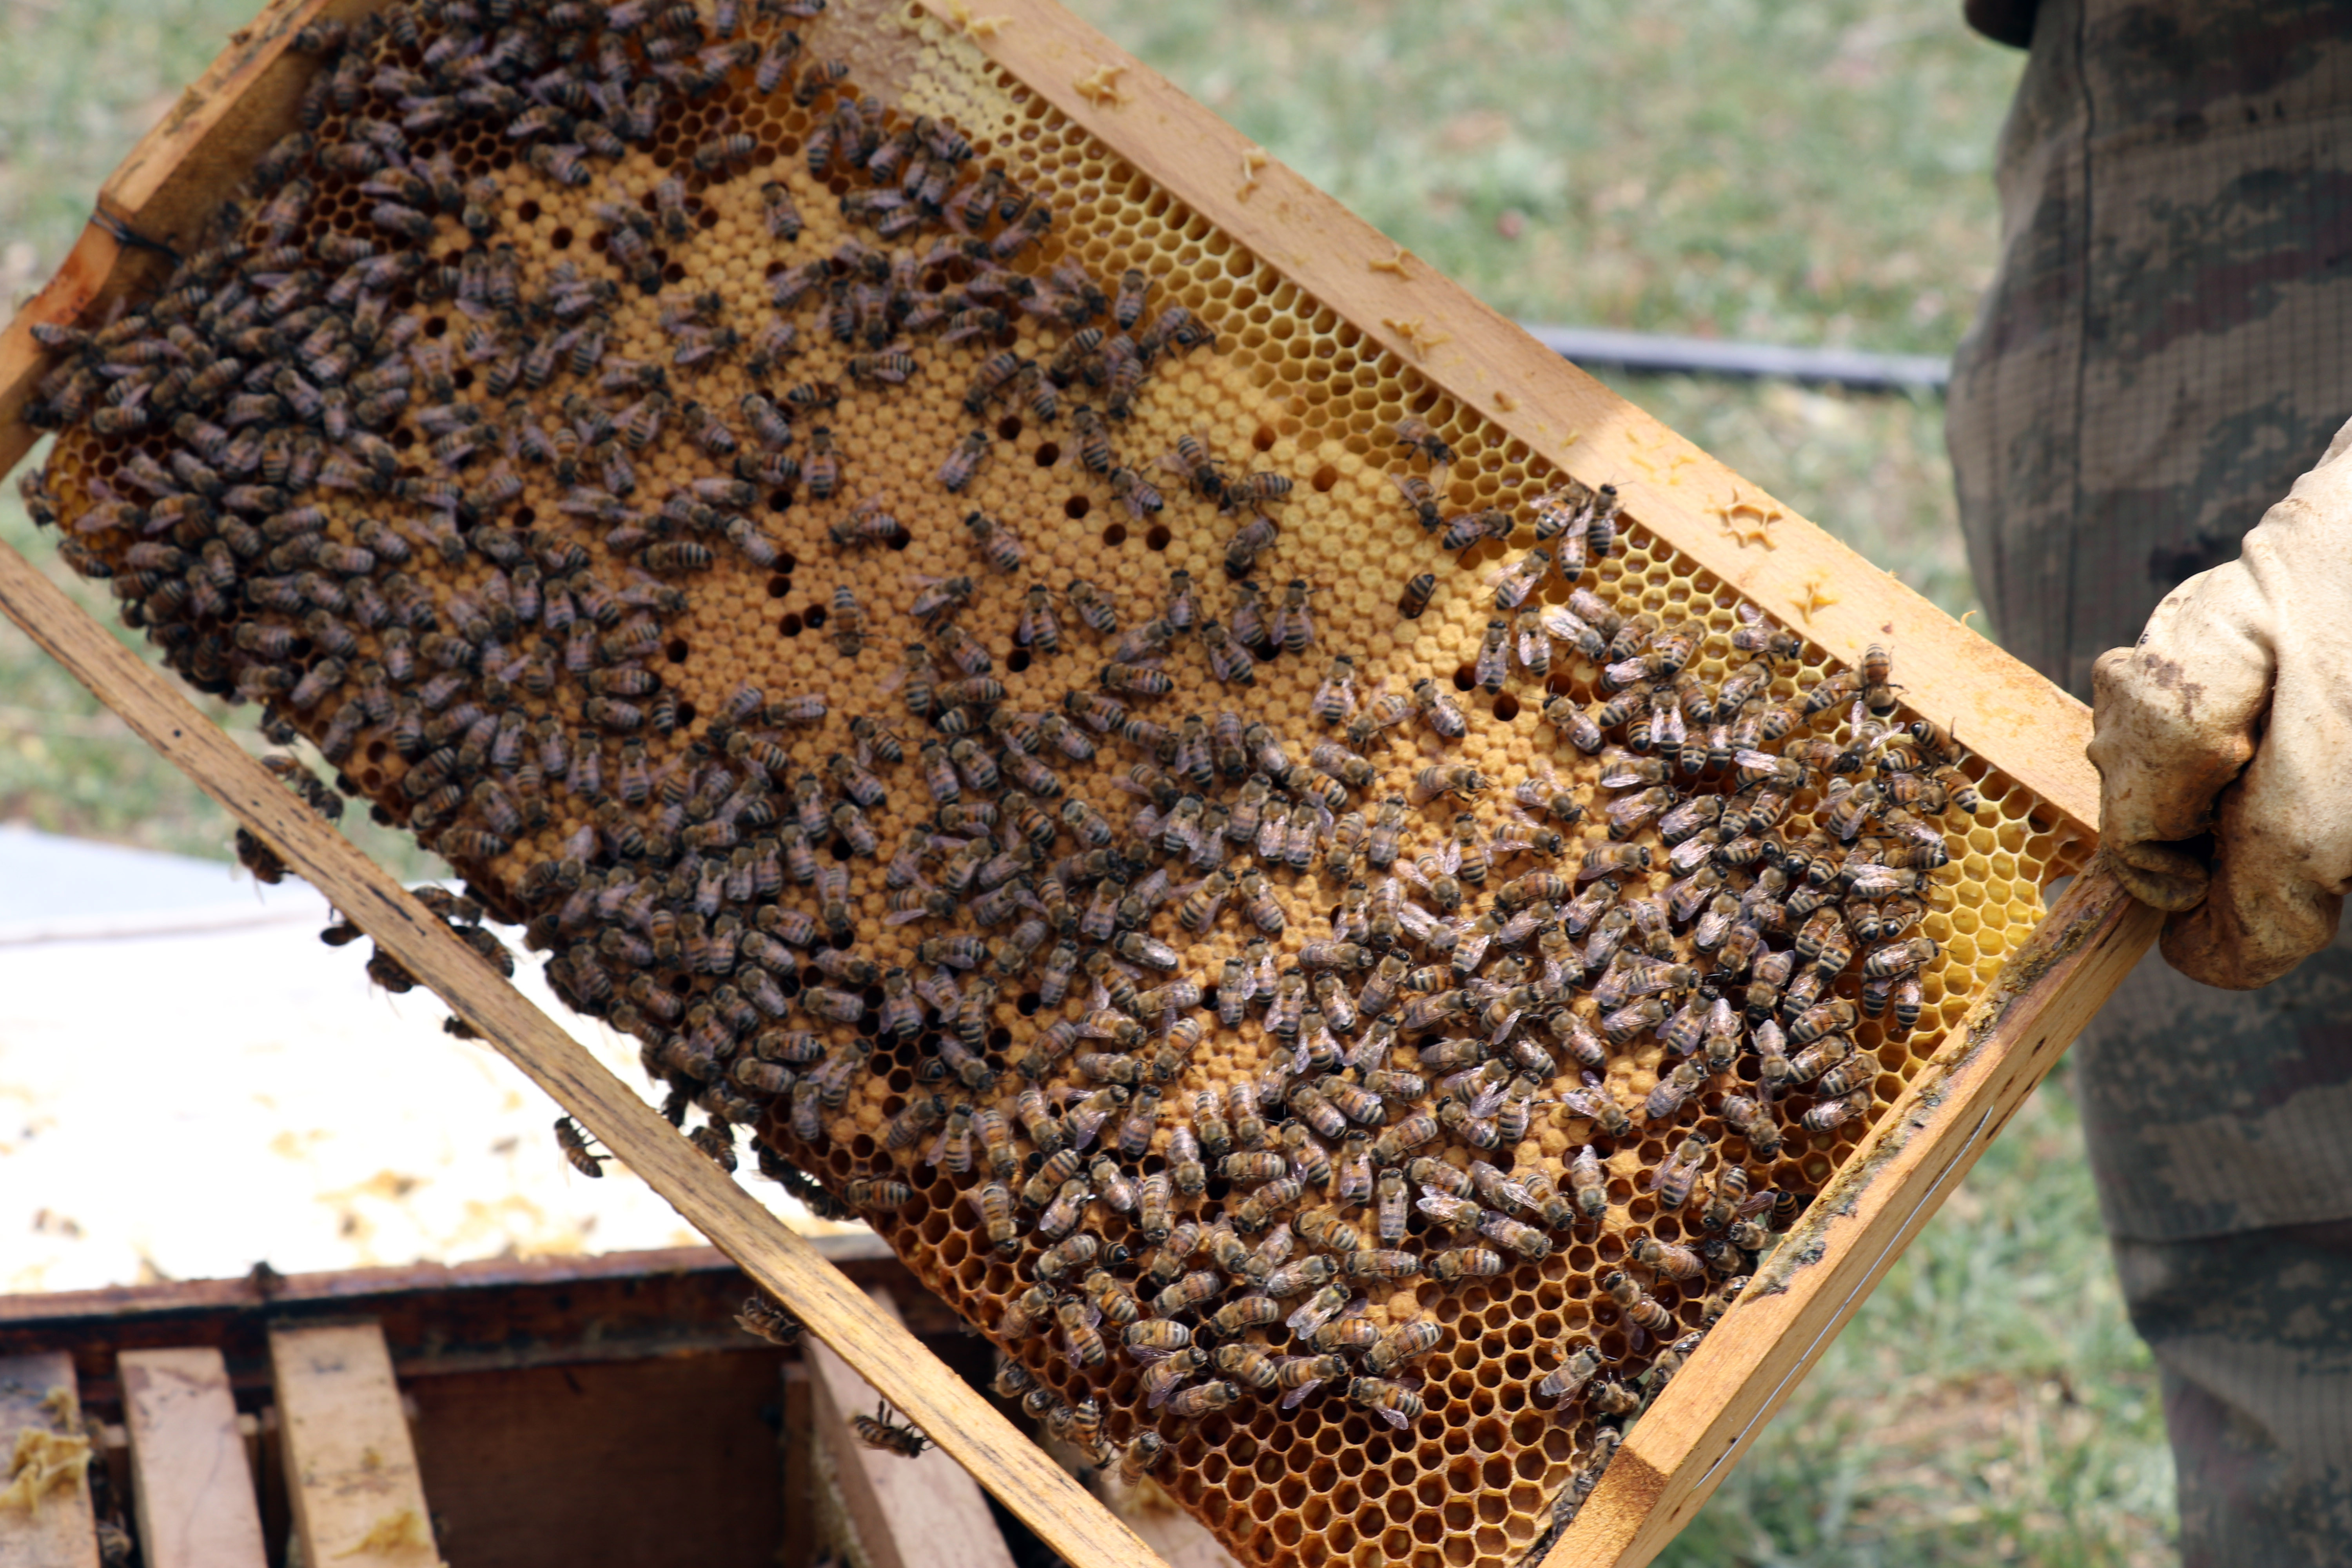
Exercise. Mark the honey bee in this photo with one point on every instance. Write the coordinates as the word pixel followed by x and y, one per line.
pixel 1665 1258
pixel 1136 680
pixel 1829 1115
pixel 1673 1180
pixel 573 1142
pixel 879 1431
pixel 1453 778
pixel 1093 607
pixel 1229 661
pixel 1899 958
pixel 1247 1363
pixel 1824 1018
pixel 1438 710
pixel 1293 629
pixel 1141 498
pixel 1204 1400
pixel 1201 472
pixel 1416 433
pixel 1392 1403
pixel 1910 999
pixel 963 463
pixel 1082 1343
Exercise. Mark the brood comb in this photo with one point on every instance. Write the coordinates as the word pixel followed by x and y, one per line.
pixel 1298 912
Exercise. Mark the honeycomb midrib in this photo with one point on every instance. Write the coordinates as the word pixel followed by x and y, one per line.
pixel 1279 393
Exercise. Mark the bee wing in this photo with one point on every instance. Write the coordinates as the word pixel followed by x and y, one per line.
pixel 1509 1023
pixel 1417 921
pixel 1449 857
pixel 905 916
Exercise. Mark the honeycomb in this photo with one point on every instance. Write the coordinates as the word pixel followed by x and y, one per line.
pixel 711 476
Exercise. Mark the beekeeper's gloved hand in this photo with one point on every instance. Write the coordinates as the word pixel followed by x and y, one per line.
pixel 2232 716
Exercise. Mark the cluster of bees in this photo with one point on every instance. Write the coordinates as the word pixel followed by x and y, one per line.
pixel 303 466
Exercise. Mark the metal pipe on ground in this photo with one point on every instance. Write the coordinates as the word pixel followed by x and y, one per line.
pixel 1654 353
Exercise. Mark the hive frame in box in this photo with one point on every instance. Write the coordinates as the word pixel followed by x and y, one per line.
pixel 1876 1202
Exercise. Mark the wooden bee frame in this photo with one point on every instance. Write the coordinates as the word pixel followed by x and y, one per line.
pixel 2021 725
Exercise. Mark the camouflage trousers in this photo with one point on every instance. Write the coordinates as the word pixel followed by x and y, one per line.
pixel 2220 1126
pixel 2166 345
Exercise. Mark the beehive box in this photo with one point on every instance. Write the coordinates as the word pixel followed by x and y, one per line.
pixel 735 610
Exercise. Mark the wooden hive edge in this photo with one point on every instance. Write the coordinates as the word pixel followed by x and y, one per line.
pixel 2008 714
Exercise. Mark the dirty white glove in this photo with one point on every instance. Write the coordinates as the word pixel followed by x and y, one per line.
pixel 2232 716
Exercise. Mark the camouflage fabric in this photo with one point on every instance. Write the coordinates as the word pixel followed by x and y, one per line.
pixel 2167 346
pixel 2213 1113
pixel 2254 1337
pixel 2168 342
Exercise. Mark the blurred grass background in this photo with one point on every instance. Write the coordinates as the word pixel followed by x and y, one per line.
pixel 1814 174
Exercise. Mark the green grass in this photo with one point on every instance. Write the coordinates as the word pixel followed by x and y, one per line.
pixel 1739 168
pixel 1792 174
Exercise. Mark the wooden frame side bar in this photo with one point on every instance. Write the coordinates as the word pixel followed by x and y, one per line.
pixel 243 101
pixel 350 1464
pixel 193 1488
pixel 1045 1496
pixel 2017 721
pixel 1685 1443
